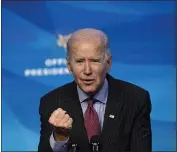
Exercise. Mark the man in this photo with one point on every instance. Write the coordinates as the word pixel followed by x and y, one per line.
pixel 95 103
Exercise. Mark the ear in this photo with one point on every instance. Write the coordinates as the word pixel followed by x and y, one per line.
pixel 69 65
pixel 109 63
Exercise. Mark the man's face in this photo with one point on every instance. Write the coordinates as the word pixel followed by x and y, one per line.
pixel 89 64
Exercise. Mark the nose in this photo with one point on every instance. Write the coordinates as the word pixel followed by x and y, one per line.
pixel 87 68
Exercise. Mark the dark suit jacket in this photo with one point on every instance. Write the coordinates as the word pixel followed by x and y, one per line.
pixel 129 131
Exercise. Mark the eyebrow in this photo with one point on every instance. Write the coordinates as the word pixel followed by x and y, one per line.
pixel 96 57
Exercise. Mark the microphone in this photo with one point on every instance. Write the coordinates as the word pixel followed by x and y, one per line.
pixel 73 147
pixel 95 143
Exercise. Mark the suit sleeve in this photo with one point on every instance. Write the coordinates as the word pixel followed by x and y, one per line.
pixel 46 129
pixel 141 139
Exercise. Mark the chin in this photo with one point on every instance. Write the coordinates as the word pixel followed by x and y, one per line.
pixel 89 90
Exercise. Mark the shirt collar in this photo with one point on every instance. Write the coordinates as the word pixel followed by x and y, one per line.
pixel 100 96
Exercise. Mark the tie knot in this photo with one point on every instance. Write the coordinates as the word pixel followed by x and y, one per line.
pixel 90 103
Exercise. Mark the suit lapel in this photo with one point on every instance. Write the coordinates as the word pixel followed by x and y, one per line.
pixel 73 107
pixel 114 104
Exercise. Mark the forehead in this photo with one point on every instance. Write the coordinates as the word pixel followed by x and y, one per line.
pixel 87 41
pixel 87 46
pixel 94 43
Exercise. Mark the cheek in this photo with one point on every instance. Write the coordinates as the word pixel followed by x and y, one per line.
pixel 76 70
pixel 100 76
pixel 74 73
pixel 101 71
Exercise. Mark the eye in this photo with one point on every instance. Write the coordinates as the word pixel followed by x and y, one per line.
pixel 79 61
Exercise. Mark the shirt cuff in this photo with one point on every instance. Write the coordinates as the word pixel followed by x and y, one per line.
pixel 60 146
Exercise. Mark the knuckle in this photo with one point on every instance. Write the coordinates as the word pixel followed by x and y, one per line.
pixel 59 109
pixel 66 115
pixel 65 125
pixel 58 124
pixel 71 120
pixel 60 116
pixel 61 125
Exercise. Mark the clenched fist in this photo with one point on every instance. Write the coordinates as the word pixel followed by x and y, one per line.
pixel 62 123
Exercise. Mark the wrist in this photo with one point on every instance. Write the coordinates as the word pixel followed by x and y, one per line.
pixel 61 134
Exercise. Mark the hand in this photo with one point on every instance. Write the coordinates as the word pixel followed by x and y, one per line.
pixel 62 123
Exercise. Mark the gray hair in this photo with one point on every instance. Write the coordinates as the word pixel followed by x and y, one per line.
pixel 85 34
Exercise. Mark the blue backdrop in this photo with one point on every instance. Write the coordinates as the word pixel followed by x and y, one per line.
pixel 34 35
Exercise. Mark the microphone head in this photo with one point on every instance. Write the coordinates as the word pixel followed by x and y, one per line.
pixel 72 146
pixel 95 139
pixel 95 143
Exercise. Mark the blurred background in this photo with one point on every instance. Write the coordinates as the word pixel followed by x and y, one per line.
pixel 34 36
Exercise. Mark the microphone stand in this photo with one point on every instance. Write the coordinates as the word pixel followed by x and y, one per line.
pixel 95 147
pixel 73 147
